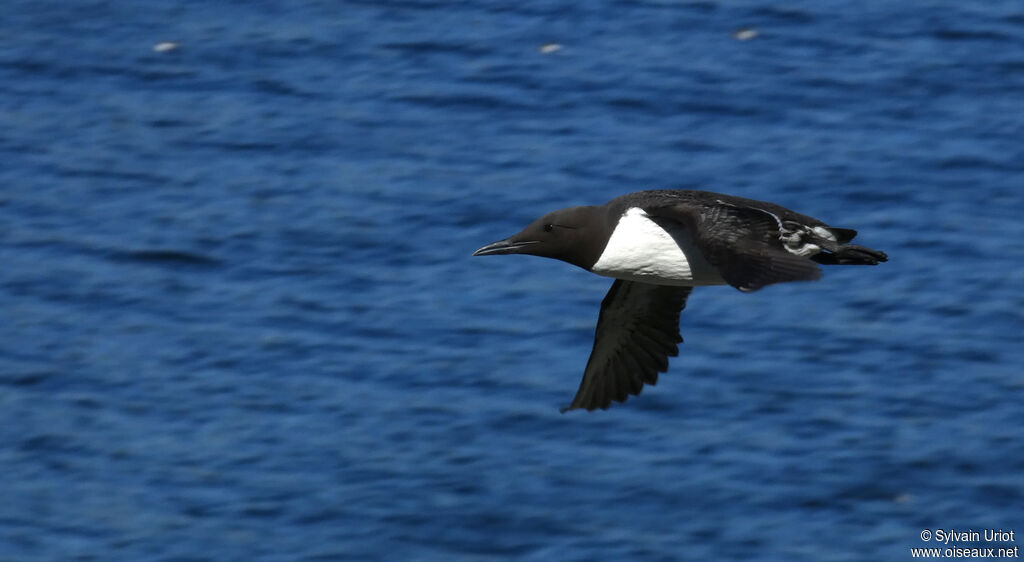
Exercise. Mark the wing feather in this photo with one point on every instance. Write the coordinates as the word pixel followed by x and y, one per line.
pixel 741 242
pixel 637 331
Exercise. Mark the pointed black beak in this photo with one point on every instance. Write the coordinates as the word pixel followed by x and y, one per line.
pixel 506 246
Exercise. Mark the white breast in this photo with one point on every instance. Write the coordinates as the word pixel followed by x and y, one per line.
pixel 642 250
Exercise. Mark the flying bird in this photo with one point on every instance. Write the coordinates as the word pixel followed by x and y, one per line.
pixel 659 245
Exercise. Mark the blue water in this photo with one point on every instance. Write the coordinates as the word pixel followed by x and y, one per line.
pixel 241 320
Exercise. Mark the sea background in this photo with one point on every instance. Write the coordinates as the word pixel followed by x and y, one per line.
pixel 239 319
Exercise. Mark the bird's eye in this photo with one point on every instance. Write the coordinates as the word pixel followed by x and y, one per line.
pixel 549 227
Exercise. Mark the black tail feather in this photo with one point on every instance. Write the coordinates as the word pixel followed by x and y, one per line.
pixel 851 254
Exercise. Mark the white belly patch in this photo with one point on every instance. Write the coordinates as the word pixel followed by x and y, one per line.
pixel 643 250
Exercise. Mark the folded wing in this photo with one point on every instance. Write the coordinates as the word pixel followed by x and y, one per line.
pixel 742 243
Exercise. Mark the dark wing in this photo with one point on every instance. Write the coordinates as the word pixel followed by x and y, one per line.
pixel 741 242
pixel 637 331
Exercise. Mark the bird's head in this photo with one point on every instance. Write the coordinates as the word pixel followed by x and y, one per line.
pixel 573 235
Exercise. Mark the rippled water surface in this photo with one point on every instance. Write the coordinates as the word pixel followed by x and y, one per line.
pixel 241 320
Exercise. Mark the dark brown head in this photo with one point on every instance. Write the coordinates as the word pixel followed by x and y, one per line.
pixel 576 235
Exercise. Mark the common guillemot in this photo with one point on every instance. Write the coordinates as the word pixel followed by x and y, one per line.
pixel 660 244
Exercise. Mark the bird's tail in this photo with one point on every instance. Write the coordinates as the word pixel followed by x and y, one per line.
pixel 851 254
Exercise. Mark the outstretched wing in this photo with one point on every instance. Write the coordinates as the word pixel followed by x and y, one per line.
pixel 742 242
pixel 637 331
